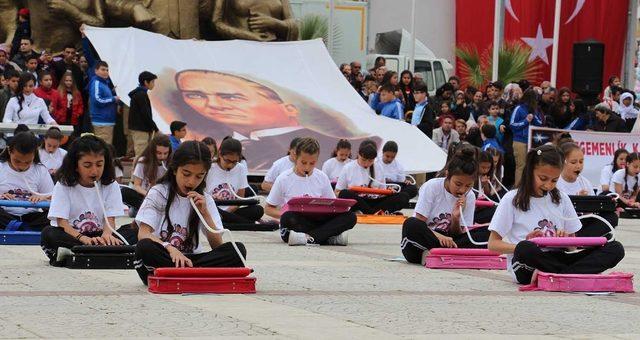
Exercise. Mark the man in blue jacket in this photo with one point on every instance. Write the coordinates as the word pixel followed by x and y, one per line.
pixel 386 102
pixel 103 103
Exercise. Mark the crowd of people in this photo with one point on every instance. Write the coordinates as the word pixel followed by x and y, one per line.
pixel 175 184
pixel 497 116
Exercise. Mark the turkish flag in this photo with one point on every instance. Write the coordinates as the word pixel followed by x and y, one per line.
pixel 529 23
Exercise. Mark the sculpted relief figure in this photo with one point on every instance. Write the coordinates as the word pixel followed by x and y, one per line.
pixel 8 13
pixel 261 20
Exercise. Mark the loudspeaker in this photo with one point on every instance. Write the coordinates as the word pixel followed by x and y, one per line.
pixel 588 66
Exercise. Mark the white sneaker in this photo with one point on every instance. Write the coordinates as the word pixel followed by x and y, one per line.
pixel 297 239
pixel 339 240
pixel 423 260
pixel 63 253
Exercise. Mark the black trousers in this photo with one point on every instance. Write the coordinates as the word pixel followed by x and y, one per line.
pixel 483 215
pixel 53 238
pixel 528 257
pixel 131 197
pixel 417 237
pixel 593 227
pixel 320 228
pixel 630 123
pixel 390 203
pixel 33 221
pixel 151 255
pixel 410 189
pixel 244 215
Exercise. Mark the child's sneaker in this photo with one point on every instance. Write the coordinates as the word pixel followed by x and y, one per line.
pixel 339 240
pixel 297 239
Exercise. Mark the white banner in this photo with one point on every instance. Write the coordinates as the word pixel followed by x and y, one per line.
pixel 262 93
pixel 598 147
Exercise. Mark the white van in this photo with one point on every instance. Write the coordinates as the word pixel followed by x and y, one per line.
pixel 435 72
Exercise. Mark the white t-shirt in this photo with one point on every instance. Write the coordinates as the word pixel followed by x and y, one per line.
pixel 119 172
pixel 33 107
pixel 332 167
pixel 393 172
pixel 354 175
pixel 605 176
pixel 621 177
pixel 278 167
pixel 218 180
pixel 80 206
pixel 20 184
pixel 152 213
pixel 514 225
pixel 574 188
pixel 289 185
pixel 52 160
pixel 436 204
pixel 138 172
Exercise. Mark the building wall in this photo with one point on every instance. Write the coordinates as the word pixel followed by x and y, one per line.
pixel 435 23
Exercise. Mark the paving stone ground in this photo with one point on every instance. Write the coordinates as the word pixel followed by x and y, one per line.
pixel 352 292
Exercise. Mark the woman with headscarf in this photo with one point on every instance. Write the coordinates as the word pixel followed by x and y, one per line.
pixel 627 110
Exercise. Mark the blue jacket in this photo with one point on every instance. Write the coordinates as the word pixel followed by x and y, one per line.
pixel 520 125
pixel 499 121
pixel 492 143
pixel 393 109
pixel 175 142
pixel 102 102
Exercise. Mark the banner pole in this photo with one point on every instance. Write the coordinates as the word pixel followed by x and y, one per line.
pixel 498 33
pixel 330 28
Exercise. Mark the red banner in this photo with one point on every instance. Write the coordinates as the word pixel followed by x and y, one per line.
pixel 530 23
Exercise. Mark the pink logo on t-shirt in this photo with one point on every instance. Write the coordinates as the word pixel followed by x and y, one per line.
pixel 222 192
pixel 547 227
pixel 20 195
pixel 87 224
pixel 177 238
pixel 441 223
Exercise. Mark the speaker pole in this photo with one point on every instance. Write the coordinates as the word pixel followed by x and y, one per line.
pixel 556 40
pixel 498 33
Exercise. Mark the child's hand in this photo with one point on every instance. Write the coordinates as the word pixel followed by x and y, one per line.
pixel 534 234
pixel 583 193
pixel 529 118
pixel 37 198
pixel 178 258
pixel 446 242
pixel 109 239
pixel 456 210
pixel 407 182
pixel 199 201
pixel 484 179
pixel 8 196
pixel 502 128
pixel 561 233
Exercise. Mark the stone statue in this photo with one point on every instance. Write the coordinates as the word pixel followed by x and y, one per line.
pixel 55 23
pixel 8 13
pixel 261 20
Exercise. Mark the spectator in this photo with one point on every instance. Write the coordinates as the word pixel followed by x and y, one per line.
pixel 386 102
pixel 380 73
pixel 26 107
pixel 561 111
pixel 26 51
pixel 70 107
pixel 461 127
pixel 525 114
pixel 445 134
pixel 45 63
pixel 31 67
pixel 523 84
pixel 369 87
pixel 444 93
pixel 23 30
pixel 11 78
pixel 627 111
pixel 406 79
pixel 380 61
pixel 613 81
pixel 455 81
pixel 612 102
pixel 391 77
pixel 5 64
pixel 494 90
pixel 497 121
pixel 607 121
pixel 423 114
pixel 141 124
pixel 46 90
pixel 60 67
pixel 356 69
pixel 545 85
pixel 469 92
pixel 212 146
pixel 580 116
pixel 477 106
pixel 345 69
pixel 473 133
pixel 459 107
pixel 488 134
pixel 548 101
pixel 178 131
pixel 103 103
